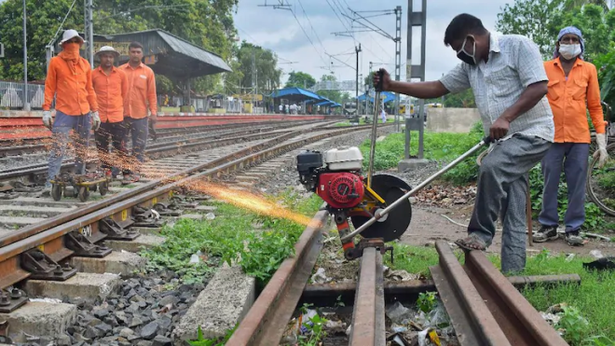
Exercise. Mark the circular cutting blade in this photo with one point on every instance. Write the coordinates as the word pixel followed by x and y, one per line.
pixel 390 188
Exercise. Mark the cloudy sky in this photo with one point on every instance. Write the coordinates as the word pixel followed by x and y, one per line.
pixel 280 31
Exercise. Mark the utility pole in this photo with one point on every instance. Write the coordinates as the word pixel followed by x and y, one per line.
pixel 418 18
pixel 357 50
pixel 253 78
pixel 397 61
pixel 89 32
pixel 26 103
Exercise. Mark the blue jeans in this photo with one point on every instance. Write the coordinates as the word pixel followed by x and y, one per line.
pixel 574 157
pixel 138 130
pixel 61 134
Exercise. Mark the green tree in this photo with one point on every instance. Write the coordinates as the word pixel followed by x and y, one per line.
pixel 536 19
pixel 267 73
pixel 300 80
pixel 207 24
pixel 572 4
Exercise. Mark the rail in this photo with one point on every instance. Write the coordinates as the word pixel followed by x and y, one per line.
pixel 49 234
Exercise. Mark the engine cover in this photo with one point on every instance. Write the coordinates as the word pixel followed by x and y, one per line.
pixel 340 189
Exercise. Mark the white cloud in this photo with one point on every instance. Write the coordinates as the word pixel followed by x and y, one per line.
pixel 278 30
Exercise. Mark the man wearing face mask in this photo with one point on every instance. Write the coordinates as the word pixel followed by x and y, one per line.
pixel 69 79
pixel 509 82
pixel 573 89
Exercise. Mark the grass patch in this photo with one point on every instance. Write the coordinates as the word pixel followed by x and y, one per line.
pixel 413 259
pixel 231 238
pixel 590 305
pixel 594 298
pixel 442 147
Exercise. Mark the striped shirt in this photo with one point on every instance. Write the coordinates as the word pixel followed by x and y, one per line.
pixel 514 63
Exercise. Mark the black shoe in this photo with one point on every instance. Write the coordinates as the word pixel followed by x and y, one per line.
pixel 545 233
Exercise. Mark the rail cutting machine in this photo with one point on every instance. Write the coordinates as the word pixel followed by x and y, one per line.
pixel 378 206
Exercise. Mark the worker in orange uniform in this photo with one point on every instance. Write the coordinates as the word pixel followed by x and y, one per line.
pixel 141 98
pixel 69 79
pixel 111 86
pixel 572 90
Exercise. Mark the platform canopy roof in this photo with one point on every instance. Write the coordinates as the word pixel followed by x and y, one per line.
pixel 388 97
pixel 296 94
pixel 165 53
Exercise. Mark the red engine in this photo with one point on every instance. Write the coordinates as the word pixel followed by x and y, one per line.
pixel 340 189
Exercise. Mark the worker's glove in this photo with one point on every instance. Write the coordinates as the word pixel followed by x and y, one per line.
pixel 95 121
pixel 601 152
pixel 151 122
pixel 47 120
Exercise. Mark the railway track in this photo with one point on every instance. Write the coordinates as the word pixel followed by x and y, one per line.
pixel 177 144
pixel 484 306
pixel 41 250
pixel 10 148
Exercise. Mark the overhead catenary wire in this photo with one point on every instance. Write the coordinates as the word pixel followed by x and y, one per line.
pixel 62 24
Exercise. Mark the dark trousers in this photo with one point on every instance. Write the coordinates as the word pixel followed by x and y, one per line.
pixel 574 159
pixel 111 133
pixel 138 131
pixel 502 188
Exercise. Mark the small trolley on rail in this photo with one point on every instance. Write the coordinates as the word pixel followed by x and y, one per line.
pixel 82 185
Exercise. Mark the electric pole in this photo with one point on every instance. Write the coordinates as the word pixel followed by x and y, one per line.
pixel 26 103
pixel 357 50
pixel 89 32
pixel 397 61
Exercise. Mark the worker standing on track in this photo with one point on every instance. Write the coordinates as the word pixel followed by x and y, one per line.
pixel 141 98
pixel 69 79
pixel 111 87
pixel 509 82
pixel 573 89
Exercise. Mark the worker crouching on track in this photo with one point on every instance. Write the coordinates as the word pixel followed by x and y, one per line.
pixel 507 76
pixel 573 89
pixel 111 86
pixel 141 98
pixel 69 79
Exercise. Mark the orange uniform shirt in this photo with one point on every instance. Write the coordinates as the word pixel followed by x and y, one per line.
pixel 112 94
pixel 570 99
pixel 73 90
pixel 141 90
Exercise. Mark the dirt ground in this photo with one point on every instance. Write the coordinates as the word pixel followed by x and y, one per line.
pixel 428 225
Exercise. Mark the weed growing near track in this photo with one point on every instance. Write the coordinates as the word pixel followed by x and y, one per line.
pixel 444 147
pixel 588 315
pixel 257 243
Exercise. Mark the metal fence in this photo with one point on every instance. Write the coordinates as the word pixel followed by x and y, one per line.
pixel 12 95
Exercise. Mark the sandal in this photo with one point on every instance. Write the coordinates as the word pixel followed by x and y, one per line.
pixel 471 243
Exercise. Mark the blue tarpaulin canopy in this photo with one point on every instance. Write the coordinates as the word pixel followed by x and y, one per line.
pixel 296 94
pixel 388 97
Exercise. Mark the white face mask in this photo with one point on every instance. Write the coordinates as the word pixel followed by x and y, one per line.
pixel 570 51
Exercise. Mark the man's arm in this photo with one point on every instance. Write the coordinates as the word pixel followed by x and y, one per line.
pixel 50 85
pixel 593 101
pixel 92 99
pixel 151 94
pixel 421 90
pixel 124 80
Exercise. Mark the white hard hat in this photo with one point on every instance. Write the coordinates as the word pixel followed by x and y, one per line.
pixel 108 49
pixel 69 34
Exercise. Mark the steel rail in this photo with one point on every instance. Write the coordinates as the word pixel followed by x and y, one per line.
pixel 484 307
pixel 152 151
pixel 59 219
pixel 266 320
pixel 24 241
pixel 368 327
